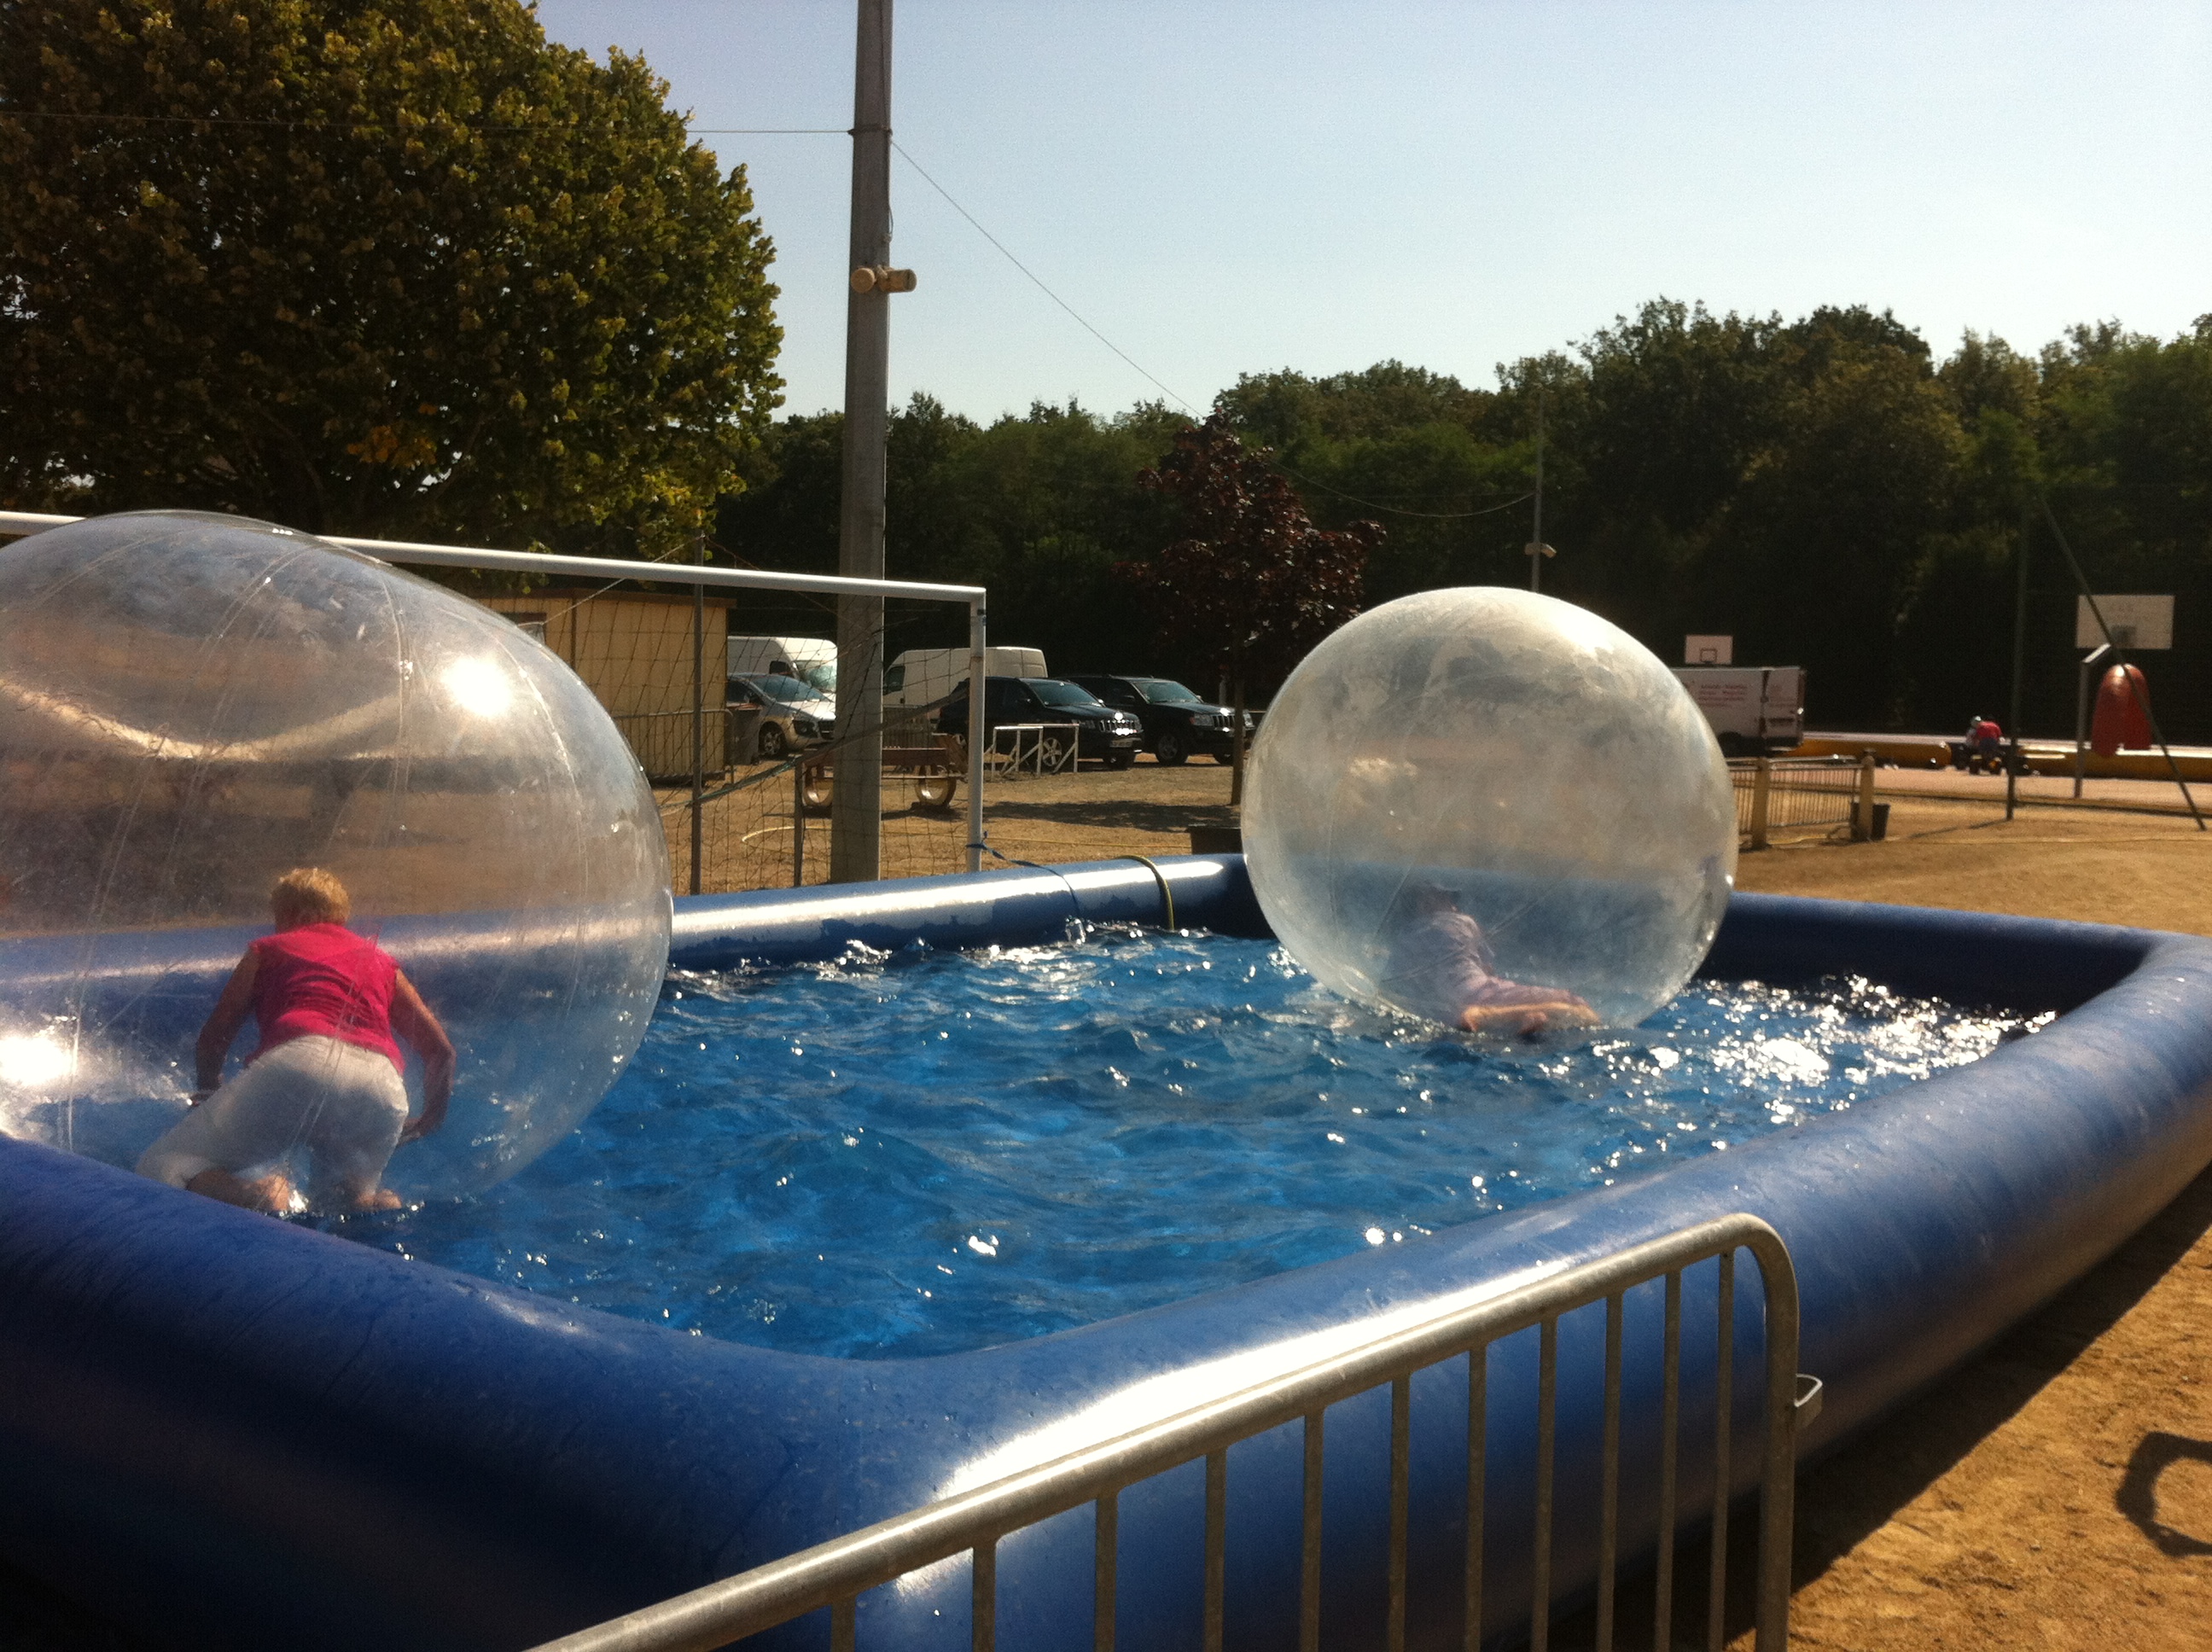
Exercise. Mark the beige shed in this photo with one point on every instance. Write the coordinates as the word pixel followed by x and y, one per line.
pixel 632 649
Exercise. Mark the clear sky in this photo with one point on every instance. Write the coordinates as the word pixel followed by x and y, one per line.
pixel 1228 187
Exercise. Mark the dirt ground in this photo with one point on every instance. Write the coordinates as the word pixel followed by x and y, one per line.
pixel 2100 866
pixel 2056 1491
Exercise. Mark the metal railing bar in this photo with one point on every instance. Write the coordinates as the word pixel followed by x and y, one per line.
pixel 1539 1562
pixel 1608 1516
pixel 1105 1563
pixel 1478 1486
pixel 731 1607
pixel 1309 1540
pixel 1401 1456
pixel 1777 1485
pixel 840 1624
pixel 1670 1411
pixel 1724 1430
pixel 1217 1543
pixel 983 1594
pixel 605 567
pixel 601 567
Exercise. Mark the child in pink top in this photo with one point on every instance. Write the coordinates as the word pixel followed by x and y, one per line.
pixel 326 1075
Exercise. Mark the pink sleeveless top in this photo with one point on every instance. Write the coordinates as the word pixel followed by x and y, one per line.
pixel 323 978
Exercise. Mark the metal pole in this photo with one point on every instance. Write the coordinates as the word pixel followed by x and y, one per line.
pixel 2120 658
pixel 856 806
pixel 2019 666
pixel 977 620
pixel 1536 539
pixel 798 822
pixel 1236 748
pixel 698 709
pixel 2081 713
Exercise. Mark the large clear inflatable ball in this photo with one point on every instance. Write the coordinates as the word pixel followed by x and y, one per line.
pixel 193 705
pixel 1491 810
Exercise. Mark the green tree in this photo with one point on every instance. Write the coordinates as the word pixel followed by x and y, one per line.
pixel 392 267
pixel 1038 506
pixel 1252 585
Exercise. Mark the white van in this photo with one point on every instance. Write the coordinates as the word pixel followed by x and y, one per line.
pixel 922 674
pixel 812 660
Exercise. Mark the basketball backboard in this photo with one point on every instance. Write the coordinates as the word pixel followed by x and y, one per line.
pixel 1708 651
pixel 2138 623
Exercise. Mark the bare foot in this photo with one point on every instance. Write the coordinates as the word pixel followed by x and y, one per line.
pixel 380 1199
pixel 1527 1020
pixel 271 1194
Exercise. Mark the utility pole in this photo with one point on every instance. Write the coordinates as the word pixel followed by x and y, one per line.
pixel 1537 548
pixel 699 709
pixel 856 805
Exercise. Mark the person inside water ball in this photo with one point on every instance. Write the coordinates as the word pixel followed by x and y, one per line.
pixel 1440 966
pixel 326 1074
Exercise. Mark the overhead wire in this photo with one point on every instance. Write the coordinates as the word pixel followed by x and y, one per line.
pixel 1167 390
pixel 115 117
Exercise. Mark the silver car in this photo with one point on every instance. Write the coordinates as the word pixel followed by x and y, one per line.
pixel 792 715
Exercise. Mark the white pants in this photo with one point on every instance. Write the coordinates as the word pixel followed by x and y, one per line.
pixel 342 1104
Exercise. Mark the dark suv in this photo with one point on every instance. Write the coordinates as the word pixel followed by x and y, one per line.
pixel 1176 721
pixel 1110 737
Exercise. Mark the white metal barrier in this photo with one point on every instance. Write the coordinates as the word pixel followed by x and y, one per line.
pixel 834 1575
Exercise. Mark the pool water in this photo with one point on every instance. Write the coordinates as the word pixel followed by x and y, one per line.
pixel 939 1151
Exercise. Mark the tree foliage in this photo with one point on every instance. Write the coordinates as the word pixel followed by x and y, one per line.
pixel 386 267
pixel 1038 506
pixel 1823 488
pixel 1252 585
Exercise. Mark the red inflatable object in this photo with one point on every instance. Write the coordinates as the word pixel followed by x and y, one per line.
pixel 2123 720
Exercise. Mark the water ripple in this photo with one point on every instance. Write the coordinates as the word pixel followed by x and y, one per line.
pixel 940 1151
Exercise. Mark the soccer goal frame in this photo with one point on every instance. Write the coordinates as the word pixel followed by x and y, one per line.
pixel 413 553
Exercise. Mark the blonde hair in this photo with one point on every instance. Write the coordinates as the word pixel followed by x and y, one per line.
pixel 309 894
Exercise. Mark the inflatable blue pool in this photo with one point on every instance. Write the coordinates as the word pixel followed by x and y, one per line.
pixel 231 1431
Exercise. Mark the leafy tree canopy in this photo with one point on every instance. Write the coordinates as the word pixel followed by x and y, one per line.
pixel 1824 489
pixel 1252 585
pixel 386 267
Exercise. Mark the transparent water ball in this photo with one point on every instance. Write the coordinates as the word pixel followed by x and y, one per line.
pixel 1496 756
pixel 189 706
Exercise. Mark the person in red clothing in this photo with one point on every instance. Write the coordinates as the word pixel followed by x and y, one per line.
pixel 1989 744
pixel 326 1074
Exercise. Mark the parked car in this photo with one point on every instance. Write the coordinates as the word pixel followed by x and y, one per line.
pixel 1178 725
pixel 1113 737
pixel 792 713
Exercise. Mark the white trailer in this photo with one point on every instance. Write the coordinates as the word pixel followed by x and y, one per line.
pixel 1756 710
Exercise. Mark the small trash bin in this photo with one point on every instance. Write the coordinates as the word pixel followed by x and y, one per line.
pixel 740 735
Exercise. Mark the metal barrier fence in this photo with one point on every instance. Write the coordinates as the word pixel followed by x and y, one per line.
pixel 1042 748
pixel 834 1575
pixel 1786 793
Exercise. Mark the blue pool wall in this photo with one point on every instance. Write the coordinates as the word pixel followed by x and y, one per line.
pixel 230 1431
